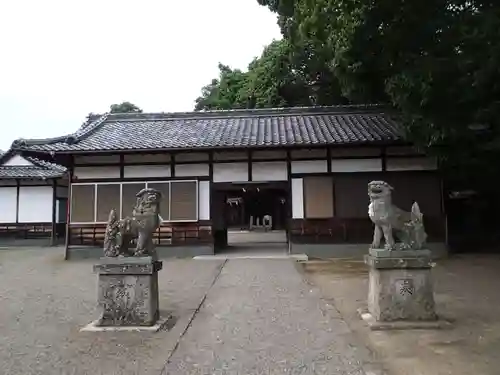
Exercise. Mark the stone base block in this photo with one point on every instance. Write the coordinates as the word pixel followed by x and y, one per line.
pixel 161 324
pixel 128 291
pixel 375 325
pixel 400 289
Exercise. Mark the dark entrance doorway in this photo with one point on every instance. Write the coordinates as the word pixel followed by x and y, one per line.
pixel 250 217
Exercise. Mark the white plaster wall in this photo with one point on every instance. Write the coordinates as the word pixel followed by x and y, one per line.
pixel 269 171
pixel 230 172
pixel 99 159
pixel 191 170
pixel 297 198
pixel 8 199
pixel 204 200
pixel 96 172
pixel 139 171
pixel 309 166
pixel 411 164
pixel 18 160
pixel 35 204
pixel 357 165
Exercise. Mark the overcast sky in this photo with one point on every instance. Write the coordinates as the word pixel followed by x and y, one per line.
pixel 60 59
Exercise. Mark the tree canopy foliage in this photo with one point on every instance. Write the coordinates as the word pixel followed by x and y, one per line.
pixel 124 107
pixel 275 79
pixel 437 61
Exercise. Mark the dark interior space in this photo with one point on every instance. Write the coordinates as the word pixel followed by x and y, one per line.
pixel 235 204
pixel 256 202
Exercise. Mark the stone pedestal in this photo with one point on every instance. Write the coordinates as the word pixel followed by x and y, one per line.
pixel 128 291
pixel 400 291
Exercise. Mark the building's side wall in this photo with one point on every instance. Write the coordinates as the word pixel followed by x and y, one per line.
pixel 28 210
pixel 337 218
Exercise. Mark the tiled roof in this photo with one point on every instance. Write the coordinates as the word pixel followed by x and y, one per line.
pixel 40 169
pixel 305 126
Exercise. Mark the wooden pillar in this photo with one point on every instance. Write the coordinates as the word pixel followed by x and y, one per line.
pixel 18 188
pixel 68 211
pixel 288 202
pixel 384 159
pixel 53 234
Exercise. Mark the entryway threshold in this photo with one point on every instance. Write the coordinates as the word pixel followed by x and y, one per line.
pixel 296 257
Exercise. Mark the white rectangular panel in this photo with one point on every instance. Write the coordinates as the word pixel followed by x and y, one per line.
pixel 204 200
pixel 230 172
pixel 8 199
pixel 18 160
pixel 96 172
pixel 35 204
pixel 191 170
pixel 145 171
pixel 297 198
pixel 411 164
pixel 269 171
pixel 356 165
pixel 309 166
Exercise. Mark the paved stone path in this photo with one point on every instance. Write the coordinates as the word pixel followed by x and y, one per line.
pixel 260 317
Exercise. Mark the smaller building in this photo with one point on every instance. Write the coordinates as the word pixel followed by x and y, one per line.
pixel 33 200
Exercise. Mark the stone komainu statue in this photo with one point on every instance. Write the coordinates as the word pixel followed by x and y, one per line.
pixel 144 222
pixel 389 220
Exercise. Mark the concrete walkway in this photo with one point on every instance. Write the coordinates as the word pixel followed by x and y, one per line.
pixel 260 317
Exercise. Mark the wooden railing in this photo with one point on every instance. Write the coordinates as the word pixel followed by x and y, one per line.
pixel 166 234
pixel 351 230
pixel 30 230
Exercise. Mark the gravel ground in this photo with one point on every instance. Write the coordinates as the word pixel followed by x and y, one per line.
pixel 466 292
pixel 260 317
pixel 244 317
pixel 44 301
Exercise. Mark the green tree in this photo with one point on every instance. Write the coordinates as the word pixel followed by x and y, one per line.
pixel 437 61
pixel 275 79
pixel 124 107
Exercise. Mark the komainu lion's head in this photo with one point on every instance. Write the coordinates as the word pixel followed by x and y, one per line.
pixel 379 189
pixel 147 198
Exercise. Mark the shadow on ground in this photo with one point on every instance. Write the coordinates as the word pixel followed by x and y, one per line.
pixel 466 291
